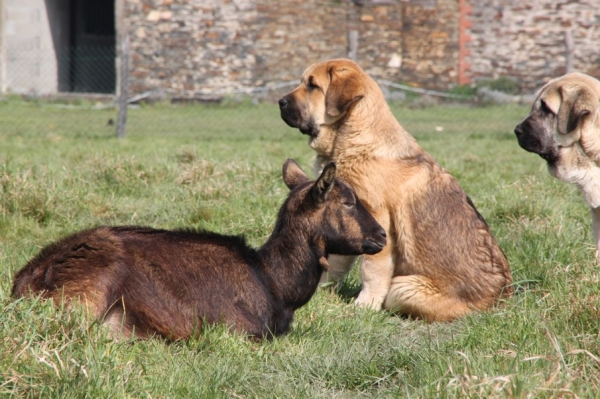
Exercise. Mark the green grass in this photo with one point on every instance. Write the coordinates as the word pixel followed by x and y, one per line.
pixel 219 168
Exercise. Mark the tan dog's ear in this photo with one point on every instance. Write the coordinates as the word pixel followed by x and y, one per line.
pixel 345 88
pixel 574 105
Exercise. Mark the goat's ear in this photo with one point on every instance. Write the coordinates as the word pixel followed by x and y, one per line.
pixel 345 88
pixel 293 174
pixel 574 105
pixel 324 184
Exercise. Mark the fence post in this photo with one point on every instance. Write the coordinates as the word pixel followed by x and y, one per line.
pixel 3 57
pixel 123 81
pixel 353 44
pixel 569 47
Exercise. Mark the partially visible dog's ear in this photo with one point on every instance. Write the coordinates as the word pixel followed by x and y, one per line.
pixel 345 88
pixel 575 104
pixel 293 175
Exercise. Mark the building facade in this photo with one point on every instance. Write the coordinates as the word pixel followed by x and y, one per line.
pixel 198 47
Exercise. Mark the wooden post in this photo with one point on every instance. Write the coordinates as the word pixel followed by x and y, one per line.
pixel 123 82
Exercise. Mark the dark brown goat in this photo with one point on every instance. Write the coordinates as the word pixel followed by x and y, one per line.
pixel 143 281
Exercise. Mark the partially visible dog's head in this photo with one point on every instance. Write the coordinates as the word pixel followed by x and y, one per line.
pixel 565 114
pixel 327 93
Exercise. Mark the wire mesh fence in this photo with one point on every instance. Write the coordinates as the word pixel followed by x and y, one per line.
pixel 77 87
pixel 72 69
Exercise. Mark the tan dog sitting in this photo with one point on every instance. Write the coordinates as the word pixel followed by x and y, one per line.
pixel 563 127
pixel 441 261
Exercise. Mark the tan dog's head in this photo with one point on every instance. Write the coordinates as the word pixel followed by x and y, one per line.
pixel 327 92
pixel 564 114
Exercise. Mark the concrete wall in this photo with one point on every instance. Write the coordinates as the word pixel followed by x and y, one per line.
pixel 30 65
pixel 2 46
pixel 531 39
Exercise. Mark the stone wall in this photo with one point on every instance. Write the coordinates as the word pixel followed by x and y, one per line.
pixel 292 34
pixel 533 40
pixel 430 38
pixel 187 46
pixel 195 47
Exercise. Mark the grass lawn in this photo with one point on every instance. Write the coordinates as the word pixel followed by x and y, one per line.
pixel 219 167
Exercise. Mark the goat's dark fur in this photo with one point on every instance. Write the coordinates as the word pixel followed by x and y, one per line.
pixel 142 281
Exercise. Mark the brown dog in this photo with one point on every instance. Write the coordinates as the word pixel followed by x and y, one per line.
pixel 563 127
pixel 441 261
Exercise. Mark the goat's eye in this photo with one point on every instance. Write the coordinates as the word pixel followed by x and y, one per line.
pixel 349 203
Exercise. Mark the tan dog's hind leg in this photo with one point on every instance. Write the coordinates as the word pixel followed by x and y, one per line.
pixel 339 266
pixel 376 272
pixel 417 296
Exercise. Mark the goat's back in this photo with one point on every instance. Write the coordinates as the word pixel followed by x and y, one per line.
pixel 165 282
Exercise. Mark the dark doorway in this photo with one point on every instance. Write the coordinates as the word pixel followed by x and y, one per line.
pixel 91 66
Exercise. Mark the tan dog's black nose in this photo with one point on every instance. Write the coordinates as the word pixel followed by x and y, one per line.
pixel 283 102
pixel 518 130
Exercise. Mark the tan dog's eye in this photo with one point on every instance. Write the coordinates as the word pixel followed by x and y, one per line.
pixel 311 85
pixel 544 108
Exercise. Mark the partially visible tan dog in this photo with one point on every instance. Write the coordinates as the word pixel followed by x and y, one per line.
pixel 441 261
pixel 564 129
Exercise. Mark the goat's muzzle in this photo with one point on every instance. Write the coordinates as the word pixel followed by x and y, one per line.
pixel 375 244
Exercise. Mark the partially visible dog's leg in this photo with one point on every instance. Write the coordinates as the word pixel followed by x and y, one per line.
pixel 418 296
pixel 376 272
pixel 596 228
pixel 319 164
pixel 120 327
pixel 339 266
pixel 117 324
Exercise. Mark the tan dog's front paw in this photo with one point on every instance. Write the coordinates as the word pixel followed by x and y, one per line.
pixel 370 301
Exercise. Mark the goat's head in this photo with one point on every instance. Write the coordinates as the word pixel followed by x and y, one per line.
pixel 329 212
